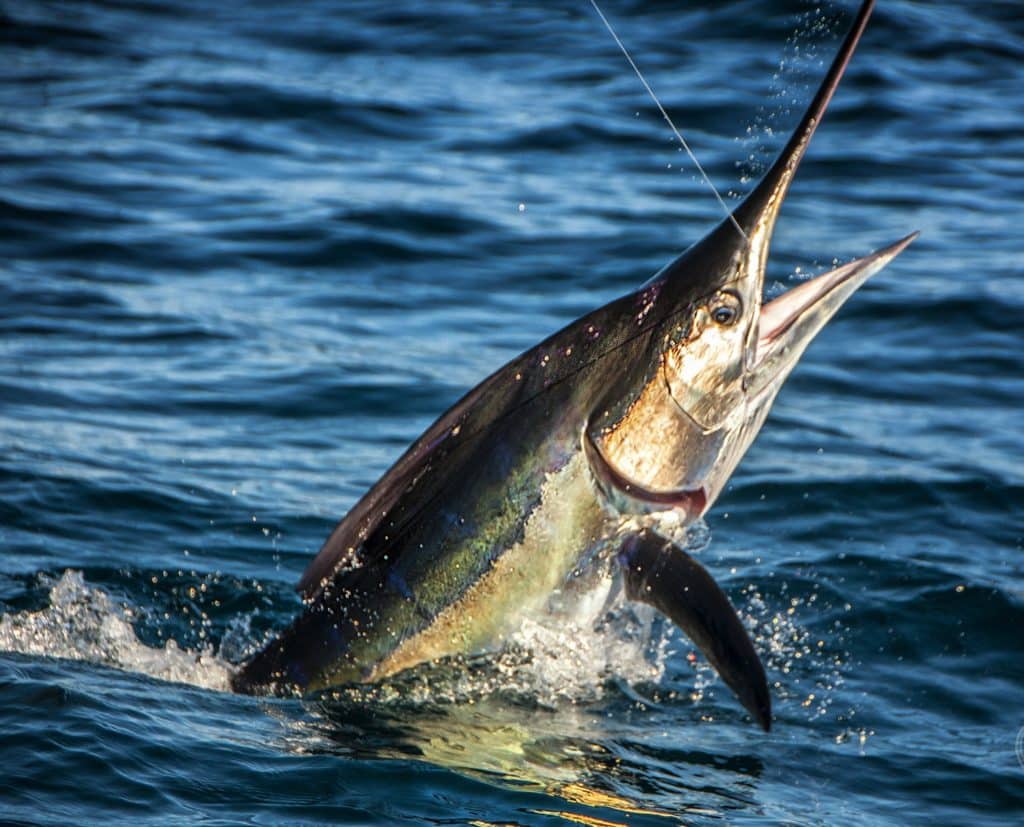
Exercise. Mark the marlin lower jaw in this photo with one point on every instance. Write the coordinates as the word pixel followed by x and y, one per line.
pixel 787 324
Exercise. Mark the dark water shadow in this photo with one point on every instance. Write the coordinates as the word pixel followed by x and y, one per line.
pixel 591 753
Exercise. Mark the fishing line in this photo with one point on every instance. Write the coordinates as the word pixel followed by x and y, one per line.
pixel 668 120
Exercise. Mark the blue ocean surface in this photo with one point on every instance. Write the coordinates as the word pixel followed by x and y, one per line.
pixel 249 251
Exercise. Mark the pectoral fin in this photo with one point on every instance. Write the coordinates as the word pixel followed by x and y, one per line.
pixel 661 574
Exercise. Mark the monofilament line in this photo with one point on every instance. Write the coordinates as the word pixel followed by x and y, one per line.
pixel 668 120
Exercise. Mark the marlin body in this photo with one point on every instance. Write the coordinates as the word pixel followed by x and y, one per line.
pixel 567 464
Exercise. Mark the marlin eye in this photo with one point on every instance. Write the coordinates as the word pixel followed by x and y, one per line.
pixel 724 314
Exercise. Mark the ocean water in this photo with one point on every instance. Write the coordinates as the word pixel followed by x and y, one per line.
pixel 249 251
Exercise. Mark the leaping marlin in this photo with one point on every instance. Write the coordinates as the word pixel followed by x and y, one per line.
pixel 567 460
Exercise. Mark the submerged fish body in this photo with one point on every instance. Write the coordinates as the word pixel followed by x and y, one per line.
pixel 567 459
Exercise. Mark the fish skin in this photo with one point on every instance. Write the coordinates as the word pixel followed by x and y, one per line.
pixel 458 500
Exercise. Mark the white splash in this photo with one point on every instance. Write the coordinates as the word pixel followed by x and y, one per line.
pixel 574 658
pixel 572 655
pixel 83 623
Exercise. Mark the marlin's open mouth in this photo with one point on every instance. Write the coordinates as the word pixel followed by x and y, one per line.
pixel 788 323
